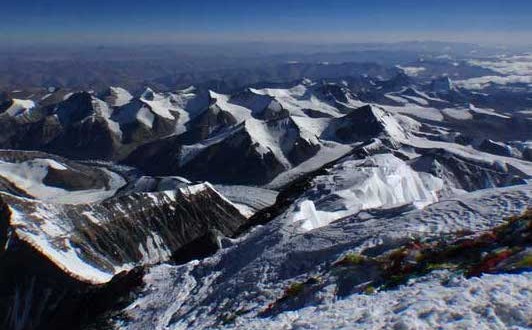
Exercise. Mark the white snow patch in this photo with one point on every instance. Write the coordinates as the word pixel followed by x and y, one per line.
pixel 20 107
pixel 412 71
pixel 121 95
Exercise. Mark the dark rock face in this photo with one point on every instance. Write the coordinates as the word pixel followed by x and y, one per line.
pixel 274 111
pixel 527 154
pixel 70 180
pixel 160 157
pixel 136 131
pixel 5 103
pixel 316 113
pixel 233 159
pixel 359 125
pixel 46 289
pixel 400 80
pixel 88 139
pixel 85 127
pixel 496 148
pixel 75 108
pixel 442 85
pixel 247 165
pixel 75 128
pixel 212 121
pixel 334 93
pixel 28 135
pixel 39 295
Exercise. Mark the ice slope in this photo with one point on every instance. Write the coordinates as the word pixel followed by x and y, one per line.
pixel 379 181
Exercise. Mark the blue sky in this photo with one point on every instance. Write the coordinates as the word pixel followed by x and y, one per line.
pixel 275 20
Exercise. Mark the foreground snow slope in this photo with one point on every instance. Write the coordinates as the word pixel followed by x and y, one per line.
pixel 488 302
pixel 241 281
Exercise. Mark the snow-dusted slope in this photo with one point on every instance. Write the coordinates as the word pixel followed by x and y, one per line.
pixel 19 108
pixel 116 96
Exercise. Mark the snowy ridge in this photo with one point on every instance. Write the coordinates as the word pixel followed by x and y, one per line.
pixel 66 258
pixel 157 223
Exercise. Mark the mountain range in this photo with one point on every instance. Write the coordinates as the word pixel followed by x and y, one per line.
pixel 274 204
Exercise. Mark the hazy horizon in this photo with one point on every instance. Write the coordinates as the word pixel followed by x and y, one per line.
pixel 121 22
